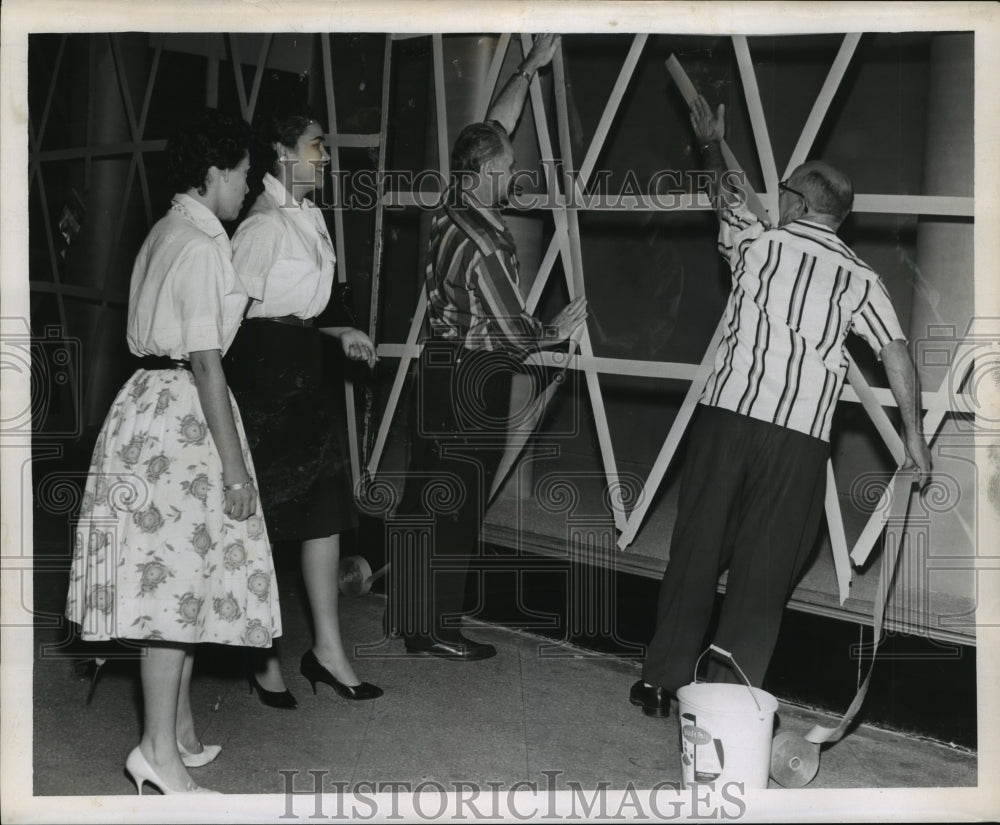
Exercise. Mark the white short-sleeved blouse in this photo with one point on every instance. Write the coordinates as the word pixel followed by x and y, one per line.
pixel 184 296
pixel 284 255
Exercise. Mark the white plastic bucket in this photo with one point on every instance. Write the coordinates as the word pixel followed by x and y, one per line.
pixel 725 732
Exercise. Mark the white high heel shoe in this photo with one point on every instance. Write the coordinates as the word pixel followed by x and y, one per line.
pixel 141 771
pixel 196 760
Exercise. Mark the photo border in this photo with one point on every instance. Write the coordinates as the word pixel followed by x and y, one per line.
pixel 21 17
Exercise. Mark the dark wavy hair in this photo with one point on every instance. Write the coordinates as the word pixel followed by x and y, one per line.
pixel 284 125
pixel 210 138
pixel 475 144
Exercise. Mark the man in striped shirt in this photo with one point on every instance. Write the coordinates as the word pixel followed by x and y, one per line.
pixel 752 487
pixel 480 334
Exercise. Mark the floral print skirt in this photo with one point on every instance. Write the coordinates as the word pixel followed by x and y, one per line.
pixel 155 556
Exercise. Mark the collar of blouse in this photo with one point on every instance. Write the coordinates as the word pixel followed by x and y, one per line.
pixel 202 217
pixel 305 210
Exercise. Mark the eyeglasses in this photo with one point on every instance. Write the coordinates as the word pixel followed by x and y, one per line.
pixel 784 187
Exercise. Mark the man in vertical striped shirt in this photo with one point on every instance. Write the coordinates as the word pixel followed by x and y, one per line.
pixel 752 487
pixel 480 334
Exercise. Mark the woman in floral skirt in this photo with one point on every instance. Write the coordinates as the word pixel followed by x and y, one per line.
pixel 170 549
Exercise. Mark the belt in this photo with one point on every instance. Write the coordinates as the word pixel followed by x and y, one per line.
pixel 291 320
pixel 163 362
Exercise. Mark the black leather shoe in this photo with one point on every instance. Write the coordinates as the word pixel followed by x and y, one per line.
pixel 654 700
pixel 282 699
pixel 453 646
pixel 315 672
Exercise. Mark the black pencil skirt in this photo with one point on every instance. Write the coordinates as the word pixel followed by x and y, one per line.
pixel 295 421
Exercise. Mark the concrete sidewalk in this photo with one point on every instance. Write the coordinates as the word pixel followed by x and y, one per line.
pixel 536 707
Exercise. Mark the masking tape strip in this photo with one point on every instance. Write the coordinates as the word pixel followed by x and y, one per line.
pixel 893 543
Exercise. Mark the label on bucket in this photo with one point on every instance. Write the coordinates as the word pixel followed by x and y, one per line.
pixel 708 761
pixel 696 735
pixel 701 754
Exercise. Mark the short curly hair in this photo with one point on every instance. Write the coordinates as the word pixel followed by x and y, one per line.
pixel 476 144
pixel 209 138
pixel 284 125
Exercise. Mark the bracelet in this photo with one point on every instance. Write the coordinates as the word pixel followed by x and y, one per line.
pixel 228 488
pixel 524 74
pixel 708 143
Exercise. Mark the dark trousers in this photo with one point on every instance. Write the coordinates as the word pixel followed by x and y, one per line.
pixel 459 425
pixel 751 500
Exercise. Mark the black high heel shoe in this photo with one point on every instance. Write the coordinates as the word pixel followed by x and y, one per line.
pixel 273 698
pixel 315 672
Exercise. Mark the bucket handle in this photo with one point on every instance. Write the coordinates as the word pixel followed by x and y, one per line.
pixel 739 670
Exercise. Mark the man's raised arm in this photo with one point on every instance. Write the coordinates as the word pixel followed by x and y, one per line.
pixel 506 110
pixel 709 130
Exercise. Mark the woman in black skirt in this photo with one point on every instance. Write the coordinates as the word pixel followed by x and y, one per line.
pixel 283 253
